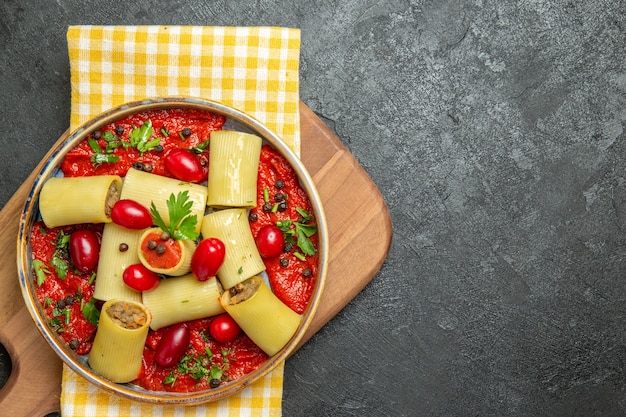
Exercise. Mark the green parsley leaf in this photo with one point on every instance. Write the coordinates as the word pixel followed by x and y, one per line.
pixel 60 266
pixel 57 325
pixel 299 232
pixel 303 232
pixel 216 372
pixel 139 137
pixel 113 142
pixel 182 225
pixel 90 311
pixel 170 379
pixel 100 157
pixel 61 255
pixel 306 216
pixel 40 271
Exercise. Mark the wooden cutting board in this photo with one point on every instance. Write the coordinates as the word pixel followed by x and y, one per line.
pixel 360 235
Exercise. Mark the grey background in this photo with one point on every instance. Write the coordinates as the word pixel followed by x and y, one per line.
pixel 495 132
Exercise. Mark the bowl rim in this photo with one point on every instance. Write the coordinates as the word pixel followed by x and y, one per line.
pixel 29 213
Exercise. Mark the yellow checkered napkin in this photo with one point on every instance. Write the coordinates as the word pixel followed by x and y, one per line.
pixel 254 69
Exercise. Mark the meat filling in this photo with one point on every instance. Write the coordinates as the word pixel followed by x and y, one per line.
pixel 243 291
pixel 112 197
pixel 127 315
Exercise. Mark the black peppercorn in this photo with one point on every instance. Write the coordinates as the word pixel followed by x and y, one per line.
pixel 253 216
pixel 123 247
pixel 279 184
pixel 119 130
pixel 186 132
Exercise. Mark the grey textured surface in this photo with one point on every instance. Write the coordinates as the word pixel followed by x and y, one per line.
pixel 495 132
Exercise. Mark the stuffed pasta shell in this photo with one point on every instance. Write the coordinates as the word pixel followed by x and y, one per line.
pixel 74 200
pixel 181 299
pixel 118 345
pixel 242 260
pixel 266 320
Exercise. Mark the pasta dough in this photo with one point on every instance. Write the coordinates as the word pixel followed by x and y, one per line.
pixel 75 200
pixel 182 299
pixel 146 188
pixel 118 345
pixel 113 262
pixel 233 166
pixel 266 320
pixel 242 256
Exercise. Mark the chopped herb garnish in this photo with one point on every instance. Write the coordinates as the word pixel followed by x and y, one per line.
pixel 199 366
pixel 170 379
pixel 216 372
pixel 101 157
pixel 139 137
pixel 57 325
pixel 98 159
pixel 113 142
pixel 201 147
pixel 300 232
pixel 68 314
pixel 40 271
pixel 90 311
pixel 61 255
pixel 182 224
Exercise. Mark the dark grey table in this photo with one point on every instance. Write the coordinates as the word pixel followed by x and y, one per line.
pixel 495 131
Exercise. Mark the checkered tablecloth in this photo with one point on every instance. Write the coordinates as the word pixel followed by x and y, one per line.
pixel 254 69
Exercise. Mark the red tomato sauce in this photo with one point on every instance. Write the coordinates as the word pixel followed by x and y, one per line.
pixel 289 283
pixel 292 280
pixel 168 259
pixel 236 359
pixel 62 298
pixel 167 125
